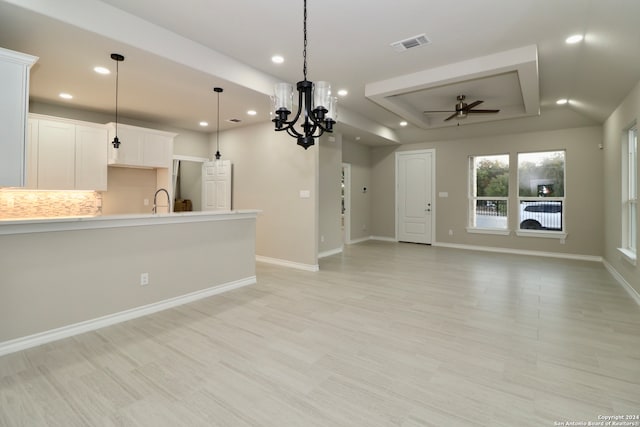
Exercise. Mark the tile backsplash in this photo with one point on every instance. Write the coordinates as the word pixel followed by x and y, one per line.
pixel 25 204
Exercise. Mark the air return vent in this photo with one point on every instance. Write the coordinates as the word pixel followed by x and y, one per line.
pixel 411 42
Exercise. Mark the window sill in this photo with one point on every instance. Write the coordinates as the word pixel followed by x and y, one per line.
pixel 628 255
pixel 496 231
pixel 542 233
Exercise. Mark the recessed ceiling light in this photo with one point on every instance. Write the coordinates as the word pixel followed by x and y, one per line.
pixel 203 124
pixel 403 123
pixel 343 92
pixel 576 38
pixel 102 70
pixel 64 95
pixel 562 101
pixel 252 112
pixel 277 59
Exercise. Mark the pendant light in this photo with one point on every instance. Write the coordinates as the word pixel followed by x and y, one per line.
pixel 218 90
pixel 118 58
pixel 315 104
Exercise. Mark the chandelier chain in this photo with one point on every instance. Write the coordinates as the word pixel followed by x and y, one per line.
pixel 304 50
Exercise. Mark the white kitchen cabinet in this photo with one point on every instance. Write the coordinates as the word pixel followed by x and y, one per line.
pixel 14 106
pixel 91 158
pixel 141 147
pixel 56 155
pixel 66 154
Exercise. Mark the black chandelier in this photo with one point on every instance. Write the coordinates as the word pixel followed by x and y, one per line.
pixel 118 58
pixel 314 101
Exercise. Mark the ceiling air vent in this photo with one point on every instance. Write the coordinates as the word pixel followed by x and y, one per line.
pixel 411 42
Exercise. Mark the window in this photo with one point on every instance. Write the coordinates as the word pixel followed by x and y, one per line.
pixel 630 194
pixel 488 193
pixel 541 196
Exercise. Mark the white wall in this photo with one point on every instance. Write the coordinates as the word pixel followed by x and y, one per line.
pixel 627 113
pixel 269 171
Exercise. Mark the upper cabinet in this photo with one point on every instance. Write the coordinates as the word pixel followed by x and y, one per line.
pixel 66 154
pixel 141 147
pixel 14 106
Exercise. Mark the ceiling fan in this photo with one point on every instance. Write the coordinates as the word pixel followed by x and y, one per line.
pixel 462 109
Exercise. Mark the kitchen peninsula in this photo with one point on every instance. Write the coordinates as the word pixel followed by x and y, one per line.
pixel 64 276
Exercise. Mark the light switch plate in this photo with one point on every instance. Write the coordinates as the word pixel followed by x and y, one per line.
pixel 305 194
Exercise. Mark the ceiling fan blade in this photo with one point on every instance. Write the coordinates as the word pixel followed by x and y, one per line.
pixel 438 111
pixel 483 111
pixel 473 104
pixel 451 116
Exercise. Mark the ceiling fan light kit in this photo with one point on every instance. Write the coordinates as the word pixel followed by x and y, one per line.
pixel 463 109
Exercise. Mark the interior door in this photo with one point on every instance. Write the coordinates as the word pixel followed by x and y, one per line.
pixel 414 200
pixel 216 185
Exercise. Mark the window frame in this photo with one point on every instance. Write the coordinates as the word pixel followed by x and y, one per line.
pixel 629 202
pixel 473 198
pixel 553 234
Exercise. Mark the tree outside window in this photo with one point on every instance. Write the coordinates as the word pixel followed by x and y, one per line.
pixel 489 191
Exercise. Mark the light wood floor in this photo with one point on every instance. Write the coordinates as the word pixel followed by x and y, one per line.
pixel 384 335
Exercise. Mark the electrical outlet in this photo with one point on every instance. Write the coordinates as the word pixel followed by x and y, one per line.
pixel 144 279
pixel 450 232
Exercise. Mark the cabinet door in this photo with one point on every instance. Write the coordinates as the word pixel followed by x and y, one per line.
pixel 157 150
pixel 130 151
pixel 56 155
pixel 32 154
pixel 14 102
pixel 91 158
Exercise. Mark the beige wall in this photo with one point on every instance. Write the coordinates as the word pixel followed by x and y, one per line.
pixel 627 113
pixel 584 189
pixel 329 206
pixel 269 171
pixel 127 191
pixel 98 271
pixel 359 157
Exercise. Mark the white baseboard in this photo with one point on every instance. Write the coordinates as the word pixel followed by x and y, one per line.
pixel 520 252
pixel 285 263
pixel 335 251
pixel 40 338
pixel 359 240
pixel 621 280
pixel 384 239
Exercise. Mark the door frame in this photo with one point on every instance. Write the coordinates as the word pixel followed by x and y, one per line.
pixel 431 151
pixel 346 169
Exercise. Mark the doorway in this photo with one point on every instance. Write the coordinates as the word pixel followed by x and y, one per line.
pixel 346 203
pixel 415 207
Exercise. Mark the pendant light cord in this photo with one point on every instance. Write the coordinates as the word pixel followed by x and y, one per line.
pixel 218 155
pixel 218 127
pixel 117 75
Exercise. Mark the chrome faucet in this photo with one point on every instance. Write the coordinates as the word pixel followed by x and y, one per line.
pixel 155 197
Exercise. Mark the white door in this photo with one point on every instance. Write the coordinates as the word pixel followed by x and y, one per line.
pixel 216 185
pixel 414 197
